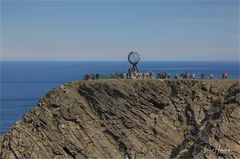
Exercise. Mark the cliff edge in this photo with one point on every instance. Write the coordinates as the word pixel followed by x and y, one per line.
pixel 130 119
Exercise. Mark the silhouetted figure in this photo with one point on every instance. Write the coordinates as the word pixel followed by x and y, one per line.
pixel 87 77
pixel 97 76
pixel 168 75
pixel 129 73
pixel 93 76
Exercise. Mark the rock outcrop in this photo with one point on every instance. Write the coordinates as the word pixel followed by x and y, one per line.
pixel 130 119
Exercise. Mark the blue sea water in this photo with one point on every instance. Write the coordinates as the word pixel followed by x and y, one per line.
pixel 24 83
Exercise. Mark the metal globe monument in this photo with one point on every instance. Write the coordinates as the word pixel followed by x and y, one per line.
pixel 133 58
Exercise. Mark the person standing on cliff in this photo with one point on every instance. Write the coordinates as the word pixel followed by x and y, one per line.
pixel 134 72
pixel 225 74
pixel 193 76
pixel 169 76
pixel 176 76
pixel 151 74
pixel 97 76
pixel 211 76
pixel 93 76
pixel 147 74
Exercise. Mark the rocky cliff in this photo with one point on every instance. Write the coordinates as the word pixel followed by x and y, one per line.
pixel 130 119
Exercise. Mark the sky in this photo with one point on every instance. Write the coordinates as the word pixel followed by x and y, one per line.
pixel 76 30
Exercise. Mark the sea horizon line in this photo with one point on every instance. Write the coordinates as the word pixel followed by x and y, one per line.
pixel 112 61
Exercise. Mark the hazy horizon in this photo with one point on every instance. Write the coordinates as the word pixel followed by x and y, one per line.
pixel 237 61
pixel 109 30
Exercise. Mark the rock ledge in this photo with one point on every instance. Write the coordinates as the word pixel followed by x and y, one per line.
pixel 130 119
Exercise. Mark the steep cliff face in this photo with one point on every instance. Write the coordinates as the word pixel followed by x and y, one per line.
pixel 130 119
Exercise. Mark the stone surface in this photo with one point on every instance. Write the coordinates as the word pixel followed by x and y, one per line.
pixel 130 119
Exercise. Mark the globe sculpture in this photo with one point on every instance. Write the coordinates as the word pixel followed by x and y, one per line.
pixel 133 59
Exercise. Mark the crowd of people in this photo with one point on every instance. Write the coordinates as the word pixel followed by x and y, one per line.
pixel 127 75
pixel 149 75
pixel 91 76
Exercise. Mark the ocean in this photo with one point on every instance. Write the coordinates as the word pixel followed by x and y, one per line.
pixel 24 83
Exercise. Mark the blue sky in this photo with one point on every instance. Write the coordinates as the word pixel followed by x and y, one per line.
pixel 109 30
